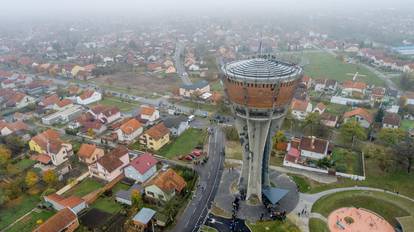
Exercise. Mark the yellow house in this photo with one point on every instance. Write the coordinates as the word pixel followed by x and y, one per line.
pixel 156 137
pixel 76 69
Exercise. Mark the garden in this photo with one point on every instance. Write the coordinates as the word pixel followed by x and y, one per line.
pixel 184 144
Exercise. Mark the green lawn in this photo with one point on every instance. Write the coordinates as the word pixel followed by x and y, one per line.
pixel 388 206
pixel 184 144
pixel 324 65
pixel 302 183
pixel 83 188
pixel 17 208
pixel 337 109
pixel 28 223
pixel 317 225
pixel 233 150
pixel 347 161
pixel 107 204
pixel 122 105
pixel 205 228
pixel 24 164
pixel 273 226
pixel 407 124
pixel 119 186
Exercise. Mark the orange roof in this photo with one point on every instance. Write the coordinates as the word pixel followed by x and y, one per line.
pixel 50 100
pixel 50 136
pixel 86 150
pixel 87 94
pixel 168 181
pixel 58 222
pixel 43 158
pixel 354 85
pixel 299 105
pixel 158 131
pixel 71 201
pixel 147 110
pixel 360 112
pixel 64 102
pixel 130 126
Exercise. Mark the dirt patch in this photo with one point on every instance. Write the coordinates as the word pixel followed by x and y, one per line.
pixel 139 83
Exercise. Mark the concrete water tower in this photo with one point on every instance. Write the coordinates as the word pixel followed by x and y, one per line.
pixel 260 91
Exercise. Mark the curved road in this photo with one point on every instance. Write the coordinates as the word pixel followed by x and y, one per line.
pixel 209 179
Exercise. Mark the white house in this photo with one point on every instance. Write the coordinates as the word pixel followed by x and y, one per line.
pixel 149 113
pixel 165 185
pixel 14 127
pixel 319 108
pixel 362 116
pixel 129 130
pixel 310 147
pixel 76 204
pixel 111 165
pixel 66 115
pixel 141 168
pixel 300 109
pixel 391 120
pixel 106 114
pixel 177 125
pixel 196 88
pixel 410 98
pixel 88 97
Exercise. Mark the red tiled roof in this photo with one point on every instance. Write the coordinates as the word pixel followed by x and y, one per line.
pixel 50 100
pixel 144 162
pixel 43 158
pixel 58 222
pixel 360 112
pixel 168 181
pixel 110 162
pixel 299 105
pixel 314 144
pixel 158 131
pixel 50 136
pixel 86 94
pixel 354 85
pixel 321 106
pixel 64 102
pixel 130 126
pixel 392 119
pixel 147 110
pixel 86 150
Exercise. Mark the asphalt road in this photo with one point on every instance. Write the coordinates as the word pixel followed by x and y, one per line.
pixel 179 49
pixel 224 224
pixel 209 179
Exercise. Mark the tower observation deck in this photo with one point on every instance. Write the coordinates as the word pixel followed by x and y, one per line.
pixel 260 91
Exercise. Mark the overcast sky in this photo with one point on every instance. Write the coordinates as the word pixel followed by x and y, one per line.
pixel 21 8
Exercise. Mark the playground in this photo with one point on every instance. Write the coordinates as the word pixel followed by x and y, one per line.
pixel 357 219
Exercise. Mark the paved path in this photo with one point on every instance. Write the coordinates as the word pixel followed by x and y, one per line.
pixel 179 49
pixel 306 202
pixel 318 216
pixel 196 211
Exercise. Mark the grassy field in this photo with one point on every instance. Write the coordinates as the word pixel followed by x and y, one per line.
pixel 24 164
pixel 122 105
pixel 184 144
pixel 233 150
pixel 86 186
pixel 107 204
pixel 317 225
pixel 347 161
pixel 388 206
pixel 274 226
pixel 324 65
pixel 407 124
pixel 17 208
pixel 28 223
pixel 303 184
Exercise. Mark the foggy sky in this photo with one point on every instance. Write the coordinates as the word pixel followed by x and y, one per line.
pixel 65 8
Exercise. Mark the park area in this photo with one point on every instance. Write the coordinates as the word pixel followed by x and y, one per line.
pixel 184 144
pixel 388 206
pixel 325 65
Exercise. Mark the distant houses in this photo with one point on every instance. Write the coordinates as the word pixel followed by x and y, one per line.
pixel 301 108
pixel 198 88
pixel 88 97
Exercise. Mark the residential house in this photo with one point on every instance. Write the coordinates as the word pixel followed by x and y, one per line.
pixel 143 219
pixel 49 143
pixel 328 119
pixel 165 185
pixel 125 196
pixel 19 100
pixel 362 116
pixel 64 220
pixel 17 127
pixel 377 94
pixel 106 114
pixel 76 204
pixel 67 114
pixel 90 153
pixel 350 87
pixel 156 137
pixel 301 109
pixel 197 88
pixel 129 130
pixel 49 102
pixel 149 113
pixel 88 97
pixel 176 124
pixel 410 97
pixel 111 165
pixel 141 168
pixel 319 108
pixel 310 147
pixel 391 120
pixel 320 85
